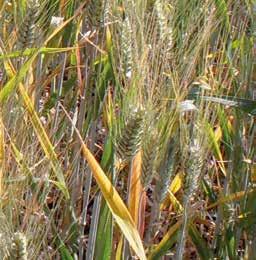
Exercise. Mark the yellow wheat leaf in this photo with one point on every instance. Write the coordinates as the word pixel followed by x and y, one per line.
pixel 174 188
pixel 176 183
pixel 115 203
pixel 119 250
pixel 135 189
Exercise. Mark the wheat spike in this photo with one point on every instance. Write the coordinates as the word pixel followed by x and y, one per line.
pixel 161 19
pixel 192 180
pixel 18 249
pixel 163 14
pixel 107 12
pixel 149 152
pixel 27 31
pixel 126 46
pixel 194 166
pixel 130 139
pixel 95 11
pixel 3 245
pixel 165 172
pixel 5 237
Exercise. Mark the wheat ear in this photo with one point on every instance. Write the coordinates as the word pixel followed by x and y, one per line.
pixel 27 31
pixel 192 178
pixel 165 172
pixel 149 152
pixel 126 46
pixel 129 141
pixel 164 15
pixel 18 250
pixel 95 9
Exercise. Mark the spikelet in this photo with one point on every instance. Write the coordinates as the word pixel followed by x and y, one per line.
pixel 165 172
pixel 129 140
pixel 19 247
pixel 27 32
pixel 149 152
pixel 126 47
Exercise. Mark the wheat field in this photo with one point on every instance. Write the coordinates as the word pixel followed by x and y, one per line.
pixel 127 129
